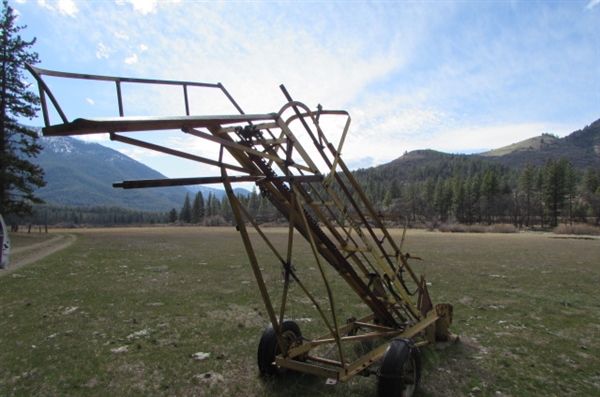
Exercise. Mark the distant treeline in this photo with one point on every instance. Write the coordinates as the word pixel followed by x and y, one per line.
pixel 70 216
pixel 464 191
pixel 472 191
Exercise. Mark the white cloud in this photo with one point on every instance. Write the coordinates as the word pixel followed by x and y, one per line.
pixel 449 139
pixel 90 101
pixel 44 4
pixel 140 154
pixel 100 138
pixel 121 34
pixel 143 6
pixel 132 59
pixel 103 51
pixel 143 47
pixel 592 4
pixel 65 7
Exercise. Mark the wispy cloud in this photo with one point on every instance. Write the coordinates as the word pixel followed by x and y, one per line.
pixel 122 35
pixel 65 7
pixel 592 4
pixel 102 51
pixel 142 6
pixel 451 76
pixel 140 153
pixel 131 60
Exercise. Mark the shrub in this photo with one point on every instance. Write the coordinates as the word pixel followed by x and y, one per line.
pixel 452 228
pixel 502 228
pixel 476 229
pixel 577 230
pixel 215 220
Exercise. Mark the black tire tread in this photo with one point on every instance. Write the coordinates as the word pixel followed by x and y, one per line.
pixel 268 347
pixel 390 383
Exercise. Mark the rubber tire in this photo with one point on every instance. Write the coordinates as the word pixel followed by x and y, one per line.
pixel 400 359
pixel 268 348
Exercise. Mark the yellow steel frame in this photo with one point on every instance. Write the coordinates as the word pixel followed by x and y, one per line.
pixel 321 200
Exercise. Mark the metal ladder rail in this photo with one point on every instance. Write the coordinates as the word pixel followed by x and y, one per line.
pixel 280 195
pixel 44 89
pixel 390 269
pixel 320 143
pixel 258 140
pixel 355 259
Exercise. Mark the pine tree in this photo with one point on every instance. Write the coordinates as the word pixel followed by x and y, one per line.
pixel 473 211
pixel 442 198
pixel 198 208
pixel 571 179
pixel 19 178
pixel 215 206
pixel 394 190
pixel 185 215
pixel 173 215
pixel 526 186
pixel 490 190
pixel 591 192
pixel 459 198
pixel 591 180
pixel 555 187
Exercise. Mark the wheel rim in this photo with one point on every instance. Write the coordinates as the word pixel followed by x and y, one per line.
pixel 291 340
pixel 409 377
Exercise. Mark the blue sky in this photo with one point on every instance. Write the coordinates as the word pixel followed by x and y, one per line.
pixel 454 76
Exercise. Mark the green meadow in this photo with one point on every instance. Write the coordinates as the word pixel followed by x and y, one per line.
pixel 175 311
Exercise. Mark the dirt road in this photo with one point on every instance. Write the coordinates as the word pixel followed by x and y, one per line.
pixel 25 255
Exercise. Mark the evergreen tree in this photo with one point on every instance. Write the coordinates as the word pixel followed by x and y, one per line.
pixel 387 199
pixel 591 192
pixel 473 210
pixel 198 208
pixel 571 178
pixel 209 207
pixel 490 189
pixel 591 180
pixel 459 198
pixel 19 178
pixel 555 188
pixel 215 206
pixel 428 191
pixel 173 215
pixel 253 203
pixel 226 209
pixel 412 202
pixel 538 182
pixel 526 187
pixel 442 198
pixel 185 215
pixel 394 190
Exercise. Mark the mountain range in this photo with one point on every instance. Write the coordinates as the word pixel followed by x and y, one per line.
pixel 581 148
pixel 80 173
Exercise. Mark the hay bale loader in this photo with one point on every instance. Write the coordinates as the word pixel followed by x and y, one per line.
pixel 288 156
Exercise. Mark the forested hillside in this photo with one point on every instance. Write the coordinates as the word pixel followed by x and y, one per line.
pixel 81 174
pixel 540 182
pixel 557 181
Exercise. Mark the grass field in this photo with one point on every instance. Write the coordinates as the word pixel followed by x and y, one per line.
pixel 122 312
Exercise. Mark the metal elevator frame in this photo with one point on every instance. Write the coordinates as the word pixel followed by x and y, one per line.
pixel 326 206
